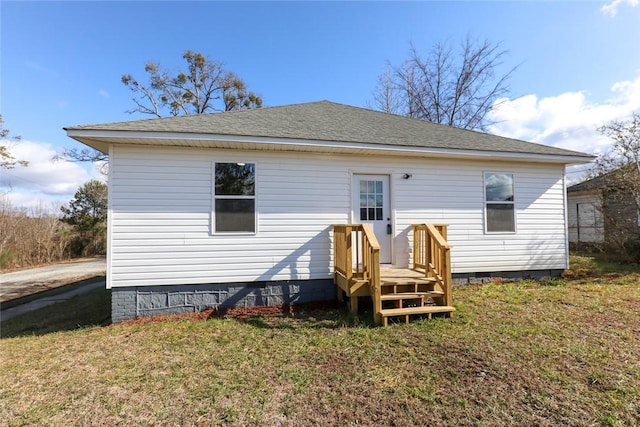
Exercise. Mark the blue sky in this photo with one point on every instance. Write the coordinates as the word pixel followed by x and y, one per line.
pixel 578 63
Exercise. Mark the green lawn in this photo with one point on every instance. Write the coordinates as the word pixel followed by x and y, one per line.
pixel 548 354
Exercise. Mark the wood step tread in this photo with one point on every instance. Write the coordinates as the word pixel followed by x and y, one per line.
pixel 410 295
pixel 391 281
pixel 385 277
pixel 417 310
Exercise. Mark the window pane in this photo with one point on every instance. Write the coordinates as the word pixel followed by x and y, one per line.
pixel 378 201
pixel 363 201
pixel 235 215
pixel 499 187
pixel 235 179
pixel 363 214
pixel 500 217
pixel 363 187
pixel 378 214
pixel 372 213
pixel 379 187
pixel 372 186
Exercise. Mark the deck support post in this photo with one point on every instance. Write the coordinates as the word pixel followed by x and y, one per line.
pixel 354 305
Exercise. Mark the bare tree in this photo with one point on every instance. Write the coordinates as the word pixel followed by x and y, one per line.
pixel 386 96
pixel 205 87
pixel 447 86
pixel 616 174
pixel 7 161
pixel 31 237
pixel 626 144
pixel 76 155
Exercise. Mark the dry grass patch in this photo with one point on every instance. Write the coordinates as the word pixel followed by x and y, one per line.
pixel 515 354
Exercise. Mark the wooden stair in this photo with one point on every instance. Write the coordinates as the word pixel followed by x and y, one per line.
pixel 411 295
pixel 396 292
pixel 405 292
pixel 408 311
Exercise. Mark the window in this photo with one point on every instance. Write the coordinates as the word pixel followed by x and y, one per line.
pixel 235 197
pixel 499 200
pixel 371 200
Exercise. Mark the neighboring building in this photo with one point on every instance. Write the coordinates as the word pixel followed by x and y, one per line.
pixel 237 208
pixel 601 213
pixel 584 215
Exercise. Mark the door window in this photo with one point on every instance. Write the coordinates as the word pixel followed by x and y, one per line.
pixel 371 200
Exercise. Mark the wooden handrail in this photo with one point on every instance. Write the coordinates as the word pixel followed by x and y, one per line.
pixel 342 243
pixel 436 233
pixel 371 268
pixel 354 245
pixel 371 236
pixel 357 256
pixel 432 255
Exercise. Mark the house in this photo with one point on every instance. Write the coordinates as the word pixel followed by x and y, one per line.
pixel 275 205
pixel 584 214
pixel 602 213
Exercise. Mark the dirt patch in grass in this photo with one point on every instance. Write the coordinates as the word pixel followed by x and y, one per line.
pixel 514 354
pixel 243 313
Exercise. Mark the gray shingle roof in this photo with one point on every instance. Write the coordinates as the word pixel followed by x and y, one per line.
pixel 328 121
pixel 613 179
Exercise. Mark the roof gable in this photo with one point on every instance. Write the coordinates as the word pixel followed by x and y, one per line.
pixel 328 121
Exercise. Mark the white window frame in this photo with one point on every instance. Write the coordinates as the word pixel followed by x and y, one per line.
pixel 215 197
pixel 487 202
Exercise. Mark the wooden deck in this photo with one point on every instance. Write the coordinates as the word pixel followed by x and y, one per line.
pixel 396 292
pixel 393 274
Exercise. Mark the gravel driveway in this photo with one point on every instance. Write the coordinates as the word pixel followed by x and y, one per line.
pixel 25 282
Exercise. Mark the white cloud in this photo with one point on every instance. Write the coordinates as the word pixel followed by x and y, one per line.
pixel 103 93
pixel 569 120
pixel 611 8
pixel 43 181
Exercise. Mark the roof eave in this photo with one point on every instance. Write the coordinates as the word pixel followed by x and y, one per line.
pixel 101 139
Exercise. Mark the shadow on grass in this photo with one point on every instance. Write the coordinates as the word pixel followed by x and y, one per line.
pixel 316 319
pixel 314 315
pixel 81 311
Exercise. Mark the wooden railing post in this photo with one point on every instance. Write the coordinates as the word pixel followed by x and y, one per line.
pixel 448 291
pixel 375 286
pixel 348 256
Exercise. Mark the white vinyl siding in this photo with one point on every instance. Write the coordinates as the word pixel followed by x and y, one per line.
pixel 161 212
pixel 457 199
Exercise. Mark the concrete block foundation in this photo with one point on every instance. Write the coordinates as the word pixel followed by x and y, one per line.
pixel 139 301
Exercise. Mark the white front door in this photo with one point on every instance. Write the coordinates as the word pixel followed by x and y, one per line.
pixel 371 206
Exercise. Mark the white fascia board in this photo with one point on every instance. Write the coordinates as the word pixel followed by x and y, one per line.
pixel 113 136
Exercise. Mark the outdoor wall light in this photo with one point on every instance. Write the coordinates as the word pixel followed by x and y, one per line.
pixel 407 176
